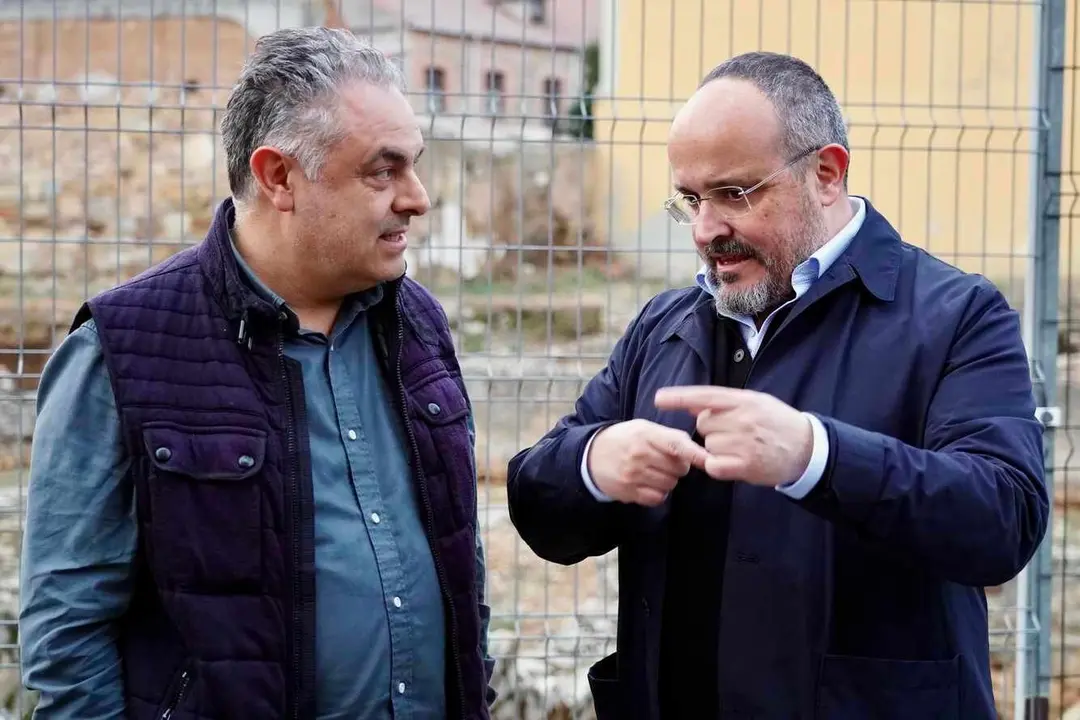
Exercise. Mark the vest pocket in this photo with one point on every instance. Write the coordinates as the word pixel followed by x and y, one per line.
pixel 205 517
pixel 855 688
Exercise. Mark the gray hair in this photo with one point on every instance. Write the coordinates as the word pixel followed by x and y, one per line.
pixel 287 97
pixel 809 114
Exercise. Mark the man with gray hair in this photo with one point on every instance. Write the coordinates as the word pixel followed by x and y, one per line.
pixel 253 483
pixel 812 460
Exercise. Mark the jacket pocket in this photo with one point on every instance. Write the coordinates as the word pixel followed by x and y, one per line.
pixel 857 688
pixel 205 515
pixel 604 684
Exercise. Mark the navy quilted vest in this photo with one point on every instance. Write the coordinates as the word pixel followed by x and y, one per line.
pixel 221 623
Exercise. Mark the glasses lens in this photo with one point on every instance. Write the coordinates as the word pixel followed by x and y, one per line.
pixel 681 210
pixel 731 202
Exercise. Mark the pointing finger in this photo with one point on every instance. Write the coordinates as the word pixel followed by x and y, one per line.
pixel 697 398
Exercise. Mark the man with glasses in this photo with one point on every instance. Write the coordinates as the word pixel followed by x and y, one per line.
pixel 813 460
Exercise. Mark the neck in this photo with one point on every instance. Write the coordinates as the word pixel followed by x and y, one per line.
pixel 838 215
pixel 261 243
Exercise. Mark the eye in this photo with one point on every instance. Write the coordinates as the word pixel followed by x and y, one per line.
pixel 732 193
pixel 387 174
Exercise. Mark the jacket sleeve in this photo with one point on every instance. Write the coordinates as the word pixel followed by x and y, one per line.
pixel 80 539
pixel 550 504
pixel 971 504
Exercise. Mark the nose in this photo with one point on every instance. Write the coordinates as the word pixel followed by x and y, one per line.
pixel 709 226
pixel 413 198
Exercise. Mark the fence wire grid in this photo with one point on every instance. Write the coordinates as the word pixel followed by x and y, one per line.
pixel 546 122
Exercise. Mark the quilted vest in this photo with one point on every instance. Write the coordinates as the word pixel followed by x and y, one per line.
pixel 221 621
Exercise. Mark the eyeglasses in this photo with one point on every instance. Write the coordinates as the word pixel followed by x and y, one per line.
pixel 730 201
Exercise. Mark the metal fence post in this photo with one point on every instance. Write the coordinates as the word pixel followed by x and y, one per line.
pixel 1042 323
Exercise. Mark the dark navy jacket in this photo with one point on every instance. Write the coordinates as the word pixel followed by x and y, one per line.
pixel 221 619
pixel 864 599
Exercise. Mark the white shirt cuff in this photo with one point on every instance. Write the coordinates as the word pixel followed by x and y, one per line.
pixel 815 469
pixel 587 478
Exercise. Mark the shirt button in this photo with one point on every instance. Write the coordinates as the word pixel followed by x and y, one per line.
pixel 162 454
pixel 397 602
pixel 352 434
pixel 246 461
pixel 739 355
pixel 434 408
pixel 375 518
pixel 401 688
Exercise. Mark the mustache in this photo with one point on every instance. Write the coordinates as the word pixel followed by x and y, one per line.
pixel 731 247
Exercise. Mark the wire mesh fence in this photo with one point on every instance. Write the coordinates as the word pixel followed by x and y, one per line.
pixel 546 123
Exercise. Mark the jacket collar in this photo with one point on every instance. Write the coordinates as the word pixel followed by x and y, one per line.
pixel 875 255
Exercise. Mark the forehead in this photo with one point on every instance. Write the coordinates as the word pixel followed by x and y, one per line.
pixel 727 132
pixel 377 117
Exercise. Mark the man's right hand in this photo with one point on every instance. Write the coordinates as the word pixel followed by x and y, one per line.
pixel 639 461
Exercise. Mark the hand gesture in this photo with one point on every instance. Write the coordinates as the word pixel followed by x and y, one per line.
pixel 639 461
pixel 749 436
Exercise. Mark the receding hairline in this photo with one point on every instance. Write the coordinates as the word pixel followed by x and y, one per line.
pixel 702 104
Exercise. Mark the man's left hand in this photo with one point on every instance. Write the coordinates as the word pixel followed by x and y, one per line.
pixel 749 436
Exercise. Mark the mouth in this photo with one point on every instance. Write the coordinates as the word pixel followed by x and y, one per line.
pixel 397 239
pixel 728 262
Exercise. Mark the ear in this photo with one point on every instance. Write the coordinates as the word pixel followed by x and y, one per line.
pixel 831 170
pixel 272 170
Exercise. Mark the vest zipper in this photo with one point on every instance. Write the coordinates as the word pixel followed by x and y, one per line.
pixel 455 641
pixel 185 678
pixel 295 491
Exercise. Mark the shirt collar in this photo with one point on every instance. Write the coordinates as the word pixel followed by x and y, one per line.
pixel 808 271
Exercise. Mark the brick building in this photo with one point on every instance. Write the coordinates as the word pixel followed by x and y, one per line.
pixel 515 66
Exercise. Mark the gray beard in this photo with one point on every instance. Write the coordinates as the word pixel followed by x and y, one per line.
pixel 775 287
pixel 751 301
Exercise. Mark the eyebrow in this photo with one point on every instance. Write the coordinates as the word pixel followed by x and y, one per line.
pixel 395 156
pixel 741 182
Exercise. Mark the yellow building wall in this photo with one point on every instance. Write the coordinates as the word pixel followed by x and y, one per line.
pixel 938 97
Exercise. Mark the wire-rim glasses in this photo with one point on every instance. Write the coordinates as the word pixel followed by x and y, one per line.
pixel 731 201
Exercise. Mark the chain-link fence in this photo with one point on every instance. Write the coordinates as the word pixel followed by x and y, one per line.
pixel 546 122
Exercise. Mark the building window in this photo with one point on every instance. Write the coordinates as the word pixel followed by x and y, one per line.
pixel 435 84
pixel 552 99
pixel 494 87
pixel 537 11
